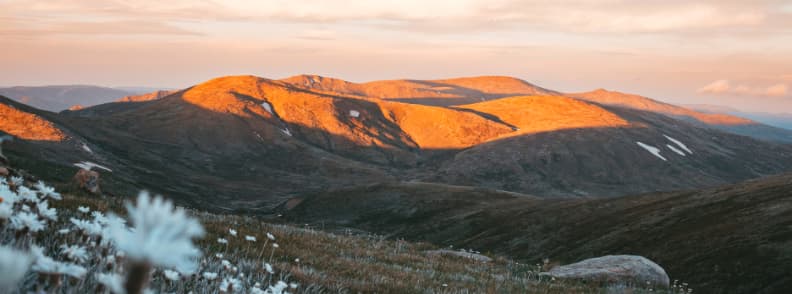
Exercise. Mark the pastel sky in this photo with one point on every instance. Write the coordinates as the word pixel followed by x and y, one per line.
pixel 727 52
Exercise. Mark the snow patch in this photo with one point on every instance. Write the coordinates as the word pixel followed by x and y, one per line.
pixel 267 107
pixel 652 149
pixel 678 143
pixel 354 113
pixel 86 148
pixel 677 151
pixel 87 165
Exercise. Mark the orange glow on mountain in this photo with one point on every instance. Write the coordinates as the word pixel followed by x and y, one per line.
pixel 27 126
pixel 533 114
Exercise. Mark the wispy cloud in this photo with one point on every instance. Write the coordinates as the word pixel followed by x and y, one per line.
pixel 120 27
pixel 724 87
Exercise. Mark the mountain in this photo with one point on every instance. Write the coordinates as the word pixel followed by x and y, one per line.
pixel 157 94
pixel 731 239
pixel 250 143
pixel 781 120
pixel 57 98
pixel 446 92
pixel 75 97
pixel 726 122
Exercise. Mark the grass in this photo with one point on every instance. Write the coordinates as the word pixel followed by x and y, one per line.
pixel 317 261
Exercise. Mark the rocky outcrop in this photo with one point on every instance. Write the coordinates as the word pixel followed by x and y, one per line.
pixel 87 180
pixel 613 269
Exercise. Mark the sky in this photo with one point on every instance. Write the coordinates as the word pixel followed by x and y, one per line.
pixel 721 52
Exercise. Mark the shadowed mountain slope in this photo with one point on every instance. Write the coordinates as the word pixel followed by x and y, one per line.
pixel 732 239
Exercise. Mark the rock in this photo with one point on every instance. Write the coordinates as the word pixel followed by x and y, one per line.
pixel 613 269
pixel 88 180
pixel 474 256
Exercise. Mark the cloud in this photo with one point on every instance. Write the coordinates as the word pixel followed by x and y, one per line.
pixel 440 16
pixel 716 87
pixel 778 90
pixel 724 87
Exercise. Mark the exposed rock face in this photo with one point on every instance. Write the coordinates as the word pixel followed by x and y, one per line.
pixel 614 269
pixel 88 180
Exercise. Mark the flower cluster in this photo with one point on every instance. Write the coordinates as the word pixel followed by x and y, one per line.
pixel 152 249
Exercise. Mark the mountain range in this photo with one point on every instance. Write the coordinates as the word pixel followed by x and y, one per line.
pixel 493 163
pixel 59 98
pixel 257 142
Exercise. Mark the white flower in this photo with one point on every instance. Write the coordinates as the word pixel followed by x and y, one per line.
pixel 275 245
pixel 219 255
pixel 99 218
pixel 230 284
pixel 26 194
pixel 222 241
pixel 83 209
pixel 209 276
pixel 64 231
pixel 16 181
pixel 250 238
pixel 13 266
pixel 45 264
pixel 270 236
pixel 232 232
pixel 278 288
pixel 6 195
pixel 268 268
pixel 297 260
pixel 47 212
pixel 294 285
pixel 72 270
pixel 162 234
pixel 88 227
pixel 256 290
pixel 47 191
pixel 226 264
pixel 171 275
pixel 6 210
pixel 75 252
pixel 26 220
pixel 111 281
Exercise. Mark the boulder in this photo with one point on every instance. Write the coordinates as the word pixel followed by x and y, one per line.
pixel 87 180
pixel 474 256
pixel 627 269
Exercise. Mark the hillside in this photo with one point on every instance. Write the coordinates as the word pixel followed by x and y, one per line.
pixel 76 250
pixel 253 142
pixel 58 98
pixel 445 92
pixel 722 121
pixel 731 239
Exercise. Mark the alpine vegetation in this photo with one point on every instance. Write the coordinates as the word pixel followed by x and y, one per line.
pixel 80 249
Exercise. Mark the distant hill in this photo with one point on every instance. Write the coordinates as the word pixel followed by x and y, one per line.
pixel 781 120
pixel 726 121
pixel 59 98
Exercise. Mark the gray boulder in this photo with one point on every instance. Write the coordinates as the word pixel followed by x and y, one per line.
pixel 613 269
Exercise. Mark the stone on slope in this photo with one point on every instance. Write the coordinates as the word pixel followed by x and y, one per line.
pixel 87 180
pixel 613 269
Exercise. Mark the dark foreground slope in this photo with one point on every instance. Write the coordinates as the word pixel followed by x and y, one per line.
pixel 734 239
